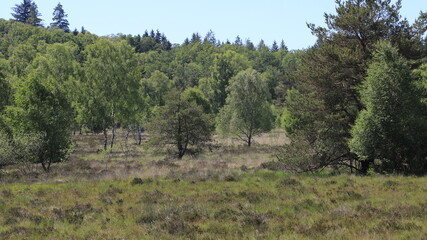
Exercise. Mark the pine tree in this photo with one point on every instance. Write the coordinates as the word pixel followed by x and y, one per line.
pixel 27 12
pixel 283 46
pixel 22 11
pixel 238 41
pixel 274 47
pixel 59 20
pixel 33 18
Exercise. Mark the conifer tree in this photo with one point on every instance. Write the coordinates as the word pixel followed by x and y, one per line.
pixel 274 47
pixel 59 20
pixel 33 18
pixel 22 11
pixel 27 12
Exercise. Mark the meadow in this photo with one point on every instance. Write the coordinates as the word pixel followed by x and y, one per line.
pixel 137 192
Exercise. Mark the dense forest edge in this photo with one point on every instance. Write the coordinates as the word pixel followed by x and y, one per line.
pixel 356 99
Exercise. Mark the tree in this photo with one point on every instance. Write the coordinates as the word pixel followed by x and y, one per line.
pixel 330 74
pixel 181 123
pixel 59 20
pixel 247 112
pixel 275 47
pixel 22 11
pixel 111 85
pixel 33 18
pixel 27 12
pixel 283 46
pixel 225 66
pixel 391 128
pixel 42 109
pixel 156 87
pixel 238 41
pixel 195 95
pixel 5 88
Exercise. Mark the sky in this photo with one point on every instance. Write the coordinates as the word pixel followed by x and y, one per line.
pixel 270 20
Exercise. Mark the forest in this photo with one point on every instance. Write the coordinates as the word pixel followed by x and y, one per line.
pixel 74 105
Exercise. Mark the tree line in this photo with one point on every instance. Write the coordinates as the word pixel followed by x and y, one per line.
pixel 355 99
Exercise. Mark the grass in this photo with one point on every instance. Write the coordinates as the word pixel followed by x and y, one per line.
pixel 210 196
pixel 258 204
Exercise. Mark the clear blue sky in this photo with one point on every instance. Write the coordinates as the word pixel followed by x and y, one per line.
pixel 269 20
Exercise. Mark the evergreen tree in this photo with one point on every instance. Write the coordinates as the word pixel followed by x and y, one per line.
pixel 274 47
pixel 33 18
pixel 27 12
pixel 59 20
pixel 238 41
pixel 22 11
pixel 249 45
pixel 283 46
pixel 195 38
pixel 210 37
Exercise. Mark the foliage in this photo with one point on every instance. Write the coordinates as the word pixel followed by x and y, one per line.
pixel 111 85
pixel 328 100
pixel 392 129
pixel 156 87
pixel 247 112
pixel 42 109
pixel 226 66
pixel 195 95
pixel 182 123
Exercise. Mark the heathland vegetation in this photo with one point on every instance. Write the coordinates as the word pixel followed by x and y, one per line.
pixel 135 137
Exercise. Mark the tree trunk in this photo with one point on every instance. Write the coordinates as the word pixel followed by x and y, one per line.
pixel 249 140
pixel 46 168
pixel 105 139
pixel 139 135
pixel 113 130
pixel 113 136
pixel 365 166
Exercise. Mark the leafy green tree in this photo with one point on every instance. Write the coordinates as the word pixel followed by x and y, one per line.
pixel 392 128
pixel 330 74
pixel 6 150
pixel 247 112
pixel 187 75
pixel 20 58
pixel 59 18
pixel 43 109
pixel 111 84
pixel 156 87
pixel 5 88
pixel 181 123
pixel 226 66
pixel 195 95
pixel 59 64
